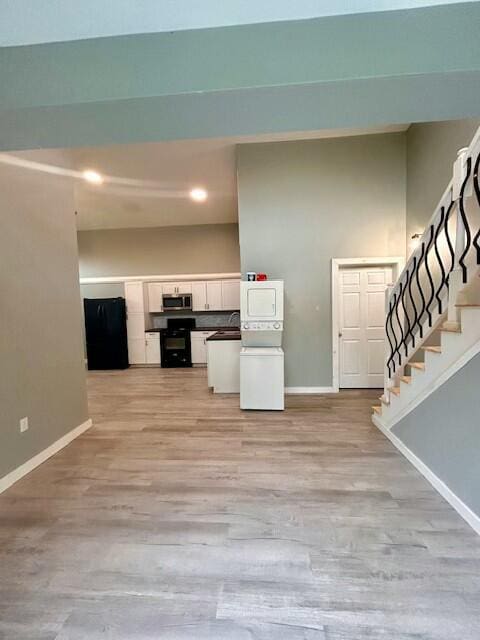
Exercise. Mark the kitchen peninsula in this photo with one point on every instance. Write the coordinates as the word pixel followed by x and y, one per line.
pixel 223 361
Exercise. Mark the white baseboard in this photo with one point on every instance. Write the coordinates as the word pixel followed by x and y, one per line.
pixel 308 390
pixel 37 460
pixel 460 507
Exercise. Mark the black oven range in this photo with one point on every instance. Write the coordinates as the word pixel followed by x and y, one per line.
pixel 175 342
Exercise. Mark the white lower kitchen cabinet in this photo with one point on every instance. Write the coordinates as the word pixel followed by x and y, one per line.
pixel 136 338
pixel 198 341
pixel 152 348
pixel 224 365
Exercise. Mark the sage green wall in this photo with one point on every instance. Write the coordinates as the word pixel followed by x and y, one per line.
pixel 42 368
pixel 302 204
pixel 443 432
pixel 209 248
pixel 353 70
pixel 431 151
pixel 27 21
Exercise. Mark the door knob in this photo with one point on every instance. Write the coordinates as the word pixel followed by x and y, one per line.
pixel 340 334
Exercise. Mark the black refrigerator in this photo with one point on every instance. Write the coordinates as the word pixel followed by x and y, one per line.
pixel 106 333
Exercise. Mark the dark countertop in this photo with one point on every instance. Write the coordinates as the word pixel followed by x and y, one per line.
pixel 228 334
pixel 201 329
pixel 226 328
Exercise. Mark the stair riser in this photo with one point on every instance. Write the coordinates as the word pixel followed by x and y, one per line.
pixel 454 346
pixel 420 381
pixel 416 373
pixel 470 320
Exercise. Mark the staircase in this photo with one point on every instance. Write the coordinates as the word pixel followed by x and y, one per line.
pixel 433 310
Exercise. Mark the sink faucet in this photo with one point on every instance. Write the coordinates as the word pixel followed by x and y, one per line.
pixel 232 315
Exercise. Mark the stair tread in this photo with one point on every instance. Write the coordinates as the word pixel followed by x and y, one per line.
pixel 418 365
pixel 377 410
pixel 383 400
pixel 433 349
pixel 395 390
pixel 451 327
pixel 406 379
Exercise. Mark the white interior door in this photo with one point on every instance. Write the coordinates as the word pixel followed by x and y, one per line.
pixel 362 326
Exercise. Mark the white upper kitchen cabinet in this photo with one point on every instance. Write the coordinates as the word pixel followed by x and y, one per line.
pixel 231 295
pixel 199 296
pixel 134 297
pixel 214 295
pixel 184 287
pixel 155 292
pixel 174 288
pixel 170 288
pixel 207 296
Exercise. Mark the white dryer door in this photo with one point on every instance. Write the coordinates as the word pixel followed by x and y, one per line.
pixel 262 303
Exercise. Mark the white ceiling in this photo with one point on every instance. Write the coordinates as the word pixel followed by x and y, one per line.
pixel 25 22
pixel 147 185
pixel 152 184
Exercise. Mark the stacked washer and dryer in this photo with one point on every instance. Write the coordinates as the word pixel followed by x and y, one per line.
pixel 261 354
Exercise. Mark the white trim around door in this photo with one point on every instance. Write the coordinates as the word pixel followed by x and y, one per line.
pixel 397 263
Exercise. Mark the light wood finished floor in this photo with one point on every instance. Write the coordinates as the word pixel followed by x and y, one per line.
pixel 179 517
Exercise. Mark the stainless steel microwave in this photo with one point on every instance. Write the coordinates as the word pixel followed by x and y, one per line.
pixel 177 302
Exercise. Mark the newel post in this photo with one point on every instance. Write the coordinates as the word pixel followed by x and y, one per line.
pixel 456 281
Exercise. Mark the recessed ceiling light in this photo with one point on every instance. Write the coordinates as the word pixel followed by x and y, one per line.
pixel 198 194
pixel 92 176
